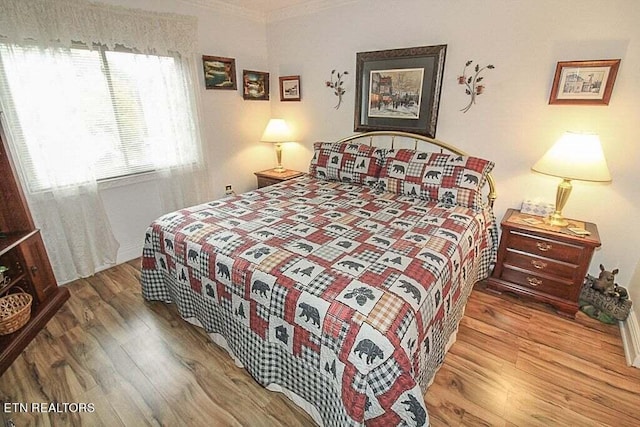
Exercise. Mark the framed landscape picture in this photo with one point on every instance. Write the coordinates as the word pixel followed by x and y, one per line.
pixel 255 85
pixel 219 72
pixel 290 88
pixel 584 82
pixel 399 89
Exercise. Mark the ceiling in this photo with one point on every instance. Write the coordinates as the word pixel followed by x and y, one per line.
pixel 265 6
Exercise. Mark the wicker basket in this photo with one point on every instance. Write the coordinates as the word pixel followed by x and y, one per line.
pixel 15 311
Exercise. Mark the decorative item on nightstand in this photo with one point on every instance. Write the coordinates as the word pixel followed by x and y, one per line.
pixel 277 132
pixel 574 156
pixel 537 208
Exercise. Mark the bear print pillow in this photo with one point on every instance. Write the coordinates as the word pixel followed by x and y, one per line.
pixel 449 178
pixel 347 162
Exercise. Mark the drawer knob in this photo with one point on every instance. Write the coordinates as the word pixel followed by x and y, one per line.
pixel 534 281
pixel 538 264
pixel 544 246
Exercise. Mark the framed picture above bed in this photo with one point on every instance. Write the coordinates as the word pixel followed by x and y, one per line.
pixel 584 82
pixel 219 72
pixel 399 89
pixel 255 85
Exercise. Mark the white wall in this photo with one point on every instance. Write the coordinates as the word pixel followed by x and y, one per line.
pixel 512 122
pixel 231 127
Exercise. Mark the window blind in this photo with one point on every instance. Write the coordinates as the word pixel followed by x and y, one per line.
pixel 81 113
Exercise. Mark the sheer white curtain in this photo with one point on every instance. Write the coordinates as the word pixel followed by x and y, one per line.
pixel 56 166
pixel 78 107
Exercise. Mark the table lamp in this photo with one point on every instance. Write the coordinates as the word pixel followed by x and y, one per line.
pixel 277 132
pixel 574 156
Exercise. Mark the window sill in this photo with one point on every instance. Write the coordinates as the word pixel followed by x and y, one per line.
pixel 124 181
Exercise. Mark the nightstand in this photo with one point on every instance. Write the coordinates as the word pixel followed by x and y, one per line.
pixel 544 262
pixel 270 176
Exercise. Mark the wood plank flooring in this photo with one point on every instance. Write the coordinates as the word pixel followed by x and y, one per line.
pixel 515 363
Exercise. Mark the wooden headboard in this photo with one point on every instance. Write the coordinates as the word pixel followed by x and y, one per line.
pixel 396 139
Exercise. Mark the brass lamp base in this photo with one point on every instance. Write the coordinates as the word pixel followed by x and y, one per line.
pixel 279 168
pixel 562 195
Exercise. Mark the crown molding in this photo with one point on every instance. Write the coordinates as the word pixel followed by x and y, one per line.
pixel 228 8
pixel 306 8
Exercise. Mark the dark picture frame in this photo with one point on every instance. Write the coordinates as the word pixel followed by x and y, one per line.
pixel 399 89
pixel 255 85
pixel 219 72
pixel 584 82
pixel 290 88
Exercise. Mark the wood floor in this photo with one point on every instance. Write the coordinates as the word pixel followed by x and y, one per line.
pixel 138 363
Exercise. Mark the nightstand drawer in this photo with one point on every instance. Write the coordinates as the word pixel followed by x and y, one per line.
pixel 545 285
pixel 265 182
pixel 539 265
pixel 544 247
pixel 272 176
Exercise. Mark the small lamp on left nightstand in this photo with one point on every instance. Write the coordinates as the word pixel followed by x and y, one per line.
pixel 277 132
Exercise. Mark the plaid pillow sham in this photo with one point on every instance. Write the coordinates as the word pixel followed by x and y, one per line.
pixel 347 162
pixel 449 178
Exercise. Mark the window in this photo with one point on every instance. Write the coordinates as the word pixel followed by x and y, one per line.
pixel 79 112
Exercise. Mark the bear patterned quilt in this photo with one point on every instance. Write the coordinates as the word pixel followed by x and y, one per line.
pixel 340 294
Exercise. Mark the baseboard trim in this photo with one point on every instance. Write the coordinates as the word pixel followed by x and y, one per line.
pixel 630 331
pixel 125 253
pixel 129 252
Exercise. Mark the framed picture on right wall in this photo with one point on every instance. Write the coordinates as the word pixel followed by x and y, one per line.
pixel 584 82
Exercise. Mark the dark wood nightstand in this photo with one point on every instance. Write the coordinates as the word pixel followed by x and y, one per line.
pixel 543 262
pixel 270 176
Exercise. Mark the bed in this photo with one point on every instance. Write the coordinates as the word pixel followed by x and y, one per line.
pixel 342 288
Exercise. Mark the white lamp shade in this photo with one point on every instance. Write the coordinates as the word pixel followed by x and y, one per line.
pixel 277 130
pixel 575 156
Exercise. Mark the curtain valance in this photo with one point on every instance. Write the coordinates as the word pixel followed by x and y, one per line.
pixel 65 21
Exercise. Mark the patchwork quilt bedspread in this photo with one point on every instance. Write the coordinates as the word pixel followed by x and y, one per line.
pixel 345 296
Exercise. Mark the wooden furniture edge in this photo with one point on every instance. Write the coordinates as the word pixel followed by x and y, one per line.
pixel 21 338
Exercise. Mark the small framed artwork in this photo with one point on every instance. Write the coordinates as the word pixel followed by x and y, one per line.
pixel 399 89
pixel 219 72
pixel 255 85
pixel 584 82
pixel 290 88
